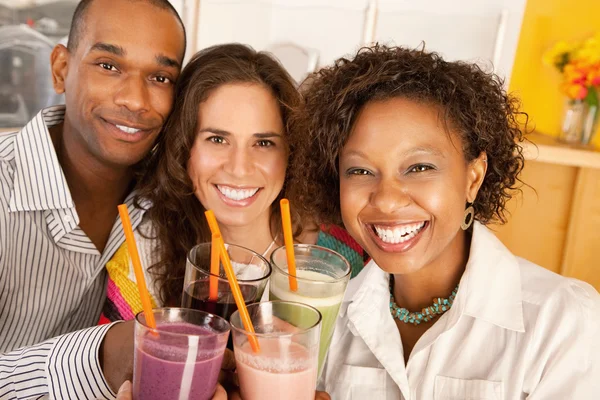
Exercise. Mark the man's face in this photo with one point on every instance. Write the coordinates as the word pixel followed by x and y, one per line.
pixel 119 80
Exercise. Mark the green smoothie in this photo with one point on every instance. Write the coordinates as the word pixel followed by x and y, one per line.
pixel 314 291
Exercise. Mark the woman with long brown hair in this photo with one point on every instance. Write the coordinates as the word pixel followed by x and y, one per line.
pixel 224 148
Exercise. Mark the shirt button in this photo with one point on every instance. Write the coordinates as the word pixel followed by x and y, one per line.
pixel 68 218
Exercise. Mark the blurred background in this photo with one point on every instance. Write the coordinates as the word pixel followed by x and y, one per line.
pixel 548 52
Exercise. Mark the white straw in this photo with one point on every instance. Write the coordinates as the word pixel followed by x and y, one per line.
pixel 188 370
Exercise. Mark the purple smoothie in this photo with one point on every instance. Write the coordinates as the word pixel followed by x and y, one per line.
pixel 160 363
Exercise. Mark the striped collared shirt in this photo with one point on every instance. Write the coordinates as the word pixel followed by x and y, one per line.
pixel 52 277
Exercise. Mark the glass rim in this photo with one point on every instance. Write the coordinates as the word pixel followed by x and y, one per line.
pixel 208 273
pixel 312 281
pixel 177 334
pixel 276 334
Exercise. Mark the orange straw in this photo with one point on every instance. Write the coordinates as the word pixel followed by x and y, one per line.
pixel 237 293
pixel 212 222
pixel 215 250
pixel 137 266
pixel 288 239
pixel 213 288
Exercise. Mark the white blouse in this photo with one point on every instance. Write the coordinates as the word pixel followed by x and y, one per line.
pixel 515 331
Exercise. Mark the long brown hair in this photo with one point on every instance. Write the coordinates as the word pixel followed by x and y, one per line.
pixel 176 215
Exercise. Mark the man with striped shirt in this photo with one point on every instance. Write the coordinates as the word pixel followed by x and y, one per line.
pixel 61 179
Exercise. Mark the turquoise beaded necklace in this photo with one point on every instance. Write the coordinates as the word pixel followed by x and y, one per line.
pixel 427 314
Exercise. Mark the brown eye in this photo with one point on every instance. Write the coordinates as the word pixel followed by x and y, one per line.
pixel 420 168
pixel 358 171
pixel 265 143
pixel 216 139
pixel 162 79
pixel 108 67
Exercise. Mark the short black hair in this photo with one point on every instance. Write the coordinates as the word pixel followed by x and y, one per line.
pixel 78 21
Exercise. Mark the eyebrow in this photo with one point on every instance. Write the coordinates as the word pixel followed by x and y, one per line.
pixel 215 130
pixel 409 152
pixel 167 61
pixel 260 135
pixel 109 48
pixel 120 52
pixel 267 135
pixel 425 150
pixel 355 153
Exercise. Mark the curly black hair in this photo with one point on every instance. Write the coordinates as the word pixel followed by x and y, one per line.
pixel 474 104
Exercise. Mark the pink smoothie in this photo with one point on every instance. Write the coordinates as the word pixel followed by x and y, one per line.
pixel 160 367
pixel 269 376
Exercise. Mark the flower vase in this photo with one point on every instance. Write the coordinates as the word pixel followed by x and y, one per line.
pixel 590 124
pixel 579 122
pixel 572 122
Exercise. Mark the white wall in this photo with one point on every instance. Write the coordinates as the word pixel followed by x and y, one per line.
pixel 459 29
pixel 28 3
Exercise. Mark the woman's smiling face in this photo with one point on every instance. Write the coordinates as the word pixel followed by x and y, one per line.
pixel 239 158
pixel 404 183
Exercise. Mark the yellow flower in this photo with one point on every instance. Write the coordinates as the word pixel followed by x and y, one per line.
pixel 558 54
pixel 589 51
pixel 593 78
pixel 579 64
pixel 576 73
pixel 587 54
pixel 575 91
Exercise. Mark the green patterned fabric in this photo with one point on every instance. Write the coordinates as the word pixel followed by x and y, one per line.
pixel 337 239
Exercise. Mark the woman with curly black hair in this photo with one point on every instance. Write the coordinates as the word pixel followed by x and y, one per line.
pixel 416 155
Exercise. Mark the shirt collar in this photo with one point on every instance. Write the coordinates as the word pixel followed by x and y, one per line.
pixel 491 284
pixel 490 288
pixel 39 183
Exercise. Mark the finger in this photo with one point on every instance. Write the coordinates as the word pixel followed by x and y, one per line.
pixel 227 375
pixel 225 378
pixel 125 391
pixel 229 380
pixel 220 393
pixel 235 379
pixel 322 396
pixel 235 396
pixel 228 363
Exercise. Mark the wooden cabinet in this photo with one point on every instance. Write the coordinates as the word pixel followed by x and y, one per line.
pixel 555 222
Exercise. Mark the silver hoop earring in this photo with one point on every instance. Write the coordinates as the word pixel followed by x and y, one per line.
pixel 469 217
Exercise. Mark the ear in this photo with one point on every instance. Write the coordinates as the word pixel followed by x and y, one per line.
pixel 475 175
pixel 59 63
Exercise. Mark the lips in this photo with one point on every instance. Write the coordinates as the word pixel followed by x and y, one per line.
pixel 127 131
pixel 397 237
pixel 398 233
pixel 237 194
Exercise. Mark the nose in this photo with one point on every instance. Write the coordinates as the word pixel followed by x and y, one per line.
pixel 240 163
pixel 133 94
pixel 389 196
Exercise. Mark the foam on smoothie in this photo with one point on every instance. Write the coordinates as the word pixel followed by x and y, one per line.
pixel 274 375
pixel 247 272
pixel 318 301
pixel 282 356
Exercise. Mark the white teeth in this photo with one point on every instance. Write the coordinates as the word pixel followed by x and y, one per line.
pixel 237 194
pixel 127 129
pixel 399 234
